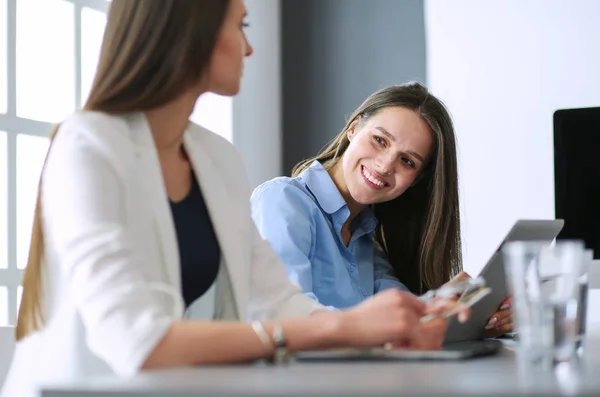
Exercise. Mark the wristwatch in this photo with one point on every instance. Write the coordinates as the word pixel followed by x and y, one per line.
pixel 281 355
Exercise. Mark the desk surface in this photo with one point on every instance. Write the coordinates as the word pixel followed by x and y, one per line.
pixel 489 376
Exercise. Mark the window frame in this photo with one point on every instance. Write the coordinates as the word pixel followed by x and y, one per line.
pixel 13 126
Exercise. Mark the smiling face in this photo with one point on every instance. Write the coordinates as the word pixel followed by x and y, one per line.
pixel 377 158
pixel 386 154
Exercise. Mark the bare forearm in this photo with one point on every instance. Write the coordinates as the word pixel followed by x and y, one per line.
pixel 196 343
pixel 390 317
pixel 192 343
pixel 322 329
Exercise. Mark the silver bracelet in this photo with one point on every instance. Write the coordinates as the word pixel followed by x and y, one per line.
pixel 262 335
pixel 281 354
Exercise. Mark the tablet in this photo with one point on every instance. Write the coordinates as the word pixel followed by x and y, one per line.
pixel 493 273
pixel 454 351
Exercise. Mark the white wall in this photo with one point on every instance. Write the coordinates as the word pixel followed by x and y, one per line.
pixel 257 108
pixel 503 68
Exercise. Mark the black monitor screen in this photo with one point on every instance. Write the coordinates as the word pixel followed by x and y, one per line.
pixel 577 174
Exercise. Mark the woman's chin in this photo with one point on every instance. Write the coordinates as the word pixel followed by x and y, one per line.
pixel 365 199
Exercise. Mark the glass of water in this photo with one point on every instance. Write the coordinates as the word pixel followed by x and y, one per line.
pixel 583 288
pixel 543 281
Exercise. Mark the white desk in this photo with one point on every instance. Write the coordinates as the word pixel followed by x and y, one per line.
pixel 488 376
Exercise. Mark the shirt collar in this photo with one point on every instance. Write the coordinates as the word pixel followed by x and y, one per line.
pixel 327 195
pixel 321 185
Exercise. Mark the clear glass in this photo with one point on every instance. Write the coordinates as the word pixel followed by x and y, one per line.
pixel 215 112
pixel 3 306
pixel 543 283
pixel 3 202
pixel 31 152
pixel 92 31
pixel 583 292
pixel 3 56
pixel 45 72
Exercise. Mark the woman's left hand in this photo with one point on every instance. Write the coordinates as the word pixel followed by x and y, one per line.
pixel 501 322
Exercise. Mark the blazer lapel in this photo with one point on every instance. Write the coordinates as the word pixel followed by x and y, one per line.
pixel 153 183
pixel 224 222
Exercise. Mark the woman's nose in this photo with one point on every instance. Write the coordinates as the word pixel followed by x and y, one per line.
pixel 385 165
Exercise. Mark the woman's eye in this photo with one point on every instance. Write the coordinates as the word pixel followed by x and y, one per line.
pixel 379 140
pixel 409 162
pixel 245 25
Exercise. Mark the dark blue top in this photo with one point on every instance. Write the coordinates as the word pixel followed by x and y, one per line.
pixel 199 250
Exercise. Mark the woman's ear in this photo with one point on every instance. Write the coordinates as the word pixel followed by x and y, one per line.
pixel 351 131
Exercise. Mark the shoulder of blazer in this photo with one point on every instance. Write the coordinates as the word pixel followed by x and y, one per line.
pixel 110 135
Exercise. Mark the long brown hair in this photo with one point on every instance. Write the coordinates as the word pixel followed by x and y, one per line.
pixel 152 51
pixel 419 231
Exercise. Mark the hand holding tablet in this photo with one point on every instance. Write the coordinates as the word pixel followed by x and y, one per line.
pixel 455 297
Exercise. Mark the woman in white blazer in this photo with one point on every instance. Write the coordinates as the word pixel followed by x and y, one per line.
pixel 103 285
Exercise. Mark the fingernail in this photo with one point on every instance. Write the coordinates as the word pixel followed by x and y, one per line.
pixel 505 306
pixel 462 317
pixel 491 323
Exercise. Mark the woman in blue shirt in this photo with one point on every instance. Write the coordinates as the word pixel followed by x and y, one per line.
pixel 376 209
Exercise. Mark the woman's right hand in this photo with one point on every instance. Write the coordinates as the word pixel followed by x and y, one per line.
pixel 391 316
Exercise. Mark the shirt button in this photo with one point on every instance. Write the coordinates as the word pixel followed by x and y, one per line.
pixel 350 269
pixel 365 294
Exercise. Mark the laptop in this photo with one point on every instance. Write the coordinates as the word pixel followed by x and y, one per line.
pixel 462 341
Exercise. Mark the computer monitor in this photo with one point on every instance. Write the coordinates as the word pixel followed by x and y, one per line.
pixel 577 174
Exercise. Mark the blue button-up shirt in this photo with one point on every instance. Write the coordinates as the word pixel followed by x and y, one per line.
pixel 302 218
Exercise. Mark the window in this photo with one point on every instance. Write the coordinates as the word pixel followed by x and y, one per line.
pixel 45 59
pixel 3 55
pixel 3 206
pixel 48 55
pixel 215 112
pixel 3 302
pixel 92 29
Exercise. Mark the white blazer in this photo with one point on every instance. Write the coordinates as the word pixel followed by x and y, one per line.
pixel 111 254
